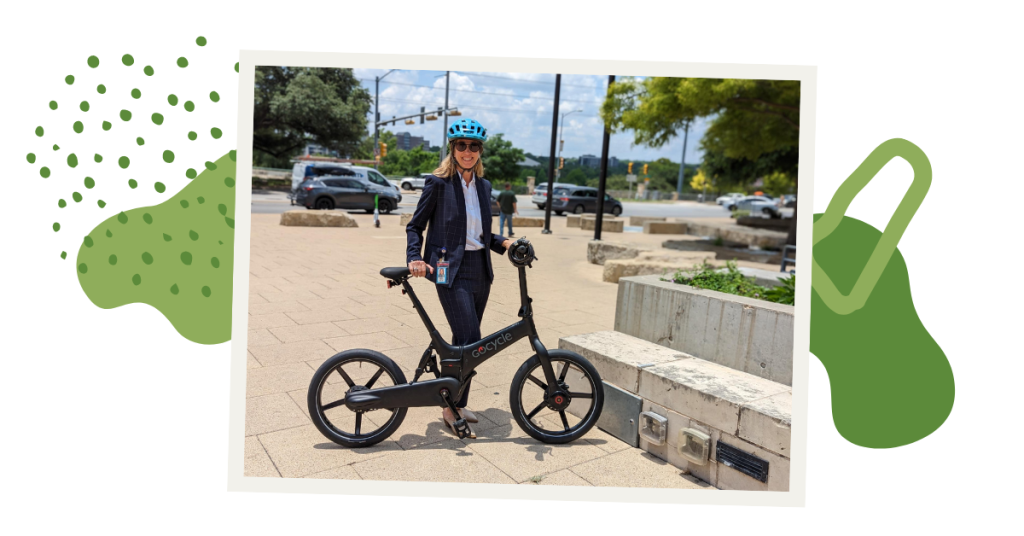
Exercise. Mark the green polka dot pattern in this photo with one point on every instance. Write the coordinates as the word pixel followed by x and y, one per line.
pixel 128 60
pixel 148 70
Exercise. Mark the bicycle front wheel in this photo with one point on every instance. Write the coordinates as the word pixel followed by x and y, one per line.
pixel 566 413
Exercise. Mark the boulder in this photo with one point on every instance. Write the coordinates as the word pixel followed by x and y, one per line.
pixel 598 251
pixel 317 218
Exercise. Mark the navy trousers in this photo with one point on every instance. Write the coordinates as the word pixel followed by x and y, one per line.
pixel 465 301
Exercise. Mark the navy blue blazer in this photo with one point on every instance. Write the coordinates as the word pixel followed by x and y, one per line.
pixel 442 204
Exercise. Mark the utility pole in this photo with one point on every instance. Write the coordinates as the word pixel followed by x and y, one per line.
pixel 376 113
pixel 551 159
pixel 561 141
pixel 682 163
pixel 444 138
pixel 603 177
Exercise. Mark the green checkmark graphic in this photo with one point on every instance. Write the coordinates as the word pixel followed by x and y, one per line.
pixel 891 383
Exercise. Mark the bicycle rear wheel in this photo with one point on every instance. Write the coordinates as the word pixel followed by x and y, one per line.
pixel 348 372
pixel 568 413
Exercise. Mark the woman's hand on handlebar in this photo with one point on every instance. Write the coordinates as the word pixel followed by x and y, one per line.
pixel 507 243
pixel 419 268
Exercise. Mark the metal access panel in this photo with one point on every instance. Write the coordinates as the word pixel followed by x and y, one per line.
pixel 621 414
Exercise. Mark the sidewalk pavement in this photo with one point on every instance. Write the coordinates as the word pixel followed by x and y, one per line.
pixel 316 291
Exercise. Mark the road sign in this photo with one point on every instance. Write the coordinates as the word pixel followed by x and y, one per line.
pixel 630 178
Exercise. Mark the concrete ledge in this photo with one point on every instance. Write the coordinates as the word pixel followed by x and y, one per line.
pixel 665 227
pixel 522 221
pixel 316 218
pixel 404 219
pixel 572 220
pixel 737 234
pixel 617 356
pixel 608 224
pixel 639 221
pixel 615 270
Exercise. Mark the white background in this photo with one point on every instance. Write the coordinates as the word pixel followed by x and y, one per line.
pixel 111 420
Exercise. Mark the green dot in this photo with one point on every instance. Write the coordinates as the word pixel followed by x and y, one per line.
pixel 190 173
pixel 109 234
pixel 89 183
pixel 101 203
pixel 206 291
pixel 136 93
pixel 126 115
pixel 174 288
pixel 83 268
pixel 216 133
pixel 132 184
pixel 63 254
pixel 220 242
pixel 186 258
pixel 98 158
pixel 167 237
pixel 223 209
pixel 172 99
pixel 78 127
pixel 69 79
pixel 148 70
pixel 123 218
pixel 201 41
pixel 183 203
pixel 56 147
pixel 231 155
pixel 147 218
pixel 31 158
pixel 84 106
pixel 236 66
pixel 123 162
pixel 87 241
pixel 62 203
pixel 101 89
pixel 193 235
pixel 72 160
pixel 112 260
pixel 39 131
pixel 229 182
pixel 189 106
pixel 182 62
pixel 168 156
pixel 140 141
pixel 128 60
pixel 160 187
pixel 214 96
pixel 44 172
pixel 201 200
pixel 215 262
pixel 158 119
pixel 147 258
pixel 53 105
pixel 230 222
pixel 56 227
pixel 210 166
pixel 94 62
pixel 137 279
pixel 107 125
pixel 76 196
pixel 192 136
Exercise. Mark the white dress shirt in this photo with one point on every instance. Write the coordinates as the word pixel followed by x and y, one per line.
pixel 474 222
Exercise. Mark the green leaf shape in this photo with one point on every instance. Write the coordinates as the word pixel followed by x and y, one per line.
pixel 196 317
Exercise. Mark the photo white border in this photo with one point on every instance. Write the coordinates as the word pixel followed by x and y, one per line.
pixel 807 75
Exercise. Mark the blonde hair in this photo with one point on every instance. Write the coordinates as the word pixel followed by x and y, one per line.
pixel 448 168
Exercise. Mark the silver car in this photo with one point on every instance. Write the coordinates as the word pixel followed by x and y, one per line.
pixel 540 193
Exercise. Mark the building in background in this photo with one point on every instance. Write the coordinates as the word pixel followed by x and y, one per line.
pixel 313 149
pixel 589 160
pixel 407 141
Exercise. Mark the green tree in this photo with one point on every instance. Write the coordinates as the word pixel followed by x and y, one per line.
pixel 777 183
pixel 501 159
pixel 575 176
pixel 296 106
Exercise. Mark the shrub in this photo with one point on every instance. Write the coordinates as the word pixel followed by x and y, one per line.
pixel 732 281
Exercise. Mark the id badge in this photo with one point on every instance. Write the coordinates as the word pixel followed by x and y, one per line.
pixel 442 273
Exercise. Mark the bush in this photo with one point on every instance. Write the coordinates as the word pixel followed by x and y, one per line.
pixel 732 281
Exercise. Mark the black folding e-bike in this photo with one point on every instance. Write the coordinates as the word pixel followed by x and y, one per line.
pixel 359 406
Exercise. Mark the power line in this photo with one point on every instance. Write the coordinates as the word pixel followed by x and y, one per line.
pixel 527 81
pixel 484 92
pixel 479 107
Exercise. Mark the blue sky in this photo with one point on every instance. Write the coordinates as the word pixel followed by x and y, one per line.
pixel 519 105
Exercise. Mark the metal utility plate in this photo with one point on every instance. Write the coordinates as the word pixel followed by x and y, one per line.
pixel 621 414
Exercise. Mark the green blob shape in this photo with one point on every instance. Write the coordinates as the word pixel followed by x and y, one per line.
pixel 215 262
pixel 232 154
pixel 101 89
pixel 160 187
pixel 186 258
pixel 201 200
pixel 230 222
pixel 126 115
pixel 206 320
pixel 53 105
pixel 190 173
pixel 78 127
pixel 223 209
pixel 189 106
pixel 214 96
pixel 89 182
pixel 147 258
pixel 184 203
pixel 132 184
pixel 56 227
pixel 39 131
pixel 148 70
pixel 140 141
pixel 229 182
pixel 44 172
pixel 62 203
pixel 216 133
pixel 174 289
pixel 136 93
pixel 168 156
pixel 82 268
pixel 84 106
pixel 210 166
pixel 236 66
pixel 124 162
pixel 72 160
pixel 88 241
pixel 69 79
pixel 127 60
pixel 107 125
pixel 158 119
pixel 31 158
pixel 77 197
pixel 64 254
pixel 94 62
pixel 123 218
pixel 201 41
pixel 147 218
pixel 206 291
pixel 109 234
pixel 192 136
pixel 97 157
pixel 101 203
pixel 112 260
pixel 182 62
pixel 56 147
pixel 137 279
pixel 172 99
pixel 193 235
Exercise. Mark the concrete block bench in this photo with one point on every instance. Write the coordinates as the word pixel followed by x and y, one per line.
pixel 608 224
pixel 639 221
pixel 317 218
pixel 521 221
pixel 665 227
pixel 652 263
pixel 572 220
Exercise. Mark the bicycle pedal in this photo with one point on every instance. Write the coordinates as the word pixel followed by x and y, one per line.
pixel 461 428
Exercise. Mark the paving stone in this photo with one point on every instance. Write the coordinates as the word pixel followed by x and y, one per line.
pixel 251 362
pixel 277 379
pixel 298 295
pixel 634 468
pixel 375 311
pixel 333 314
pixel 279 307
pixel 360 326
pixel 261 337
pixel 271 413
pixel 308 332
pixel 323 304
pixel 521 457
pixel 292 352
pixel 272 320
pixel 257 463
pixel 444 461
pixel 380 342
pixel 345 472
pixel 304 451
pixel 565 477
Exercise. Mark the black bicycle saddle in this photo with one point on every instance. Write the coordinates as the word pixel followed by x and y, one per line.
pixel 395 273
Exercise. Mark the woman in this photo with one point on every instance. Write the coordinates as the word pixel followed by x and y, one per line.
pixel 456 203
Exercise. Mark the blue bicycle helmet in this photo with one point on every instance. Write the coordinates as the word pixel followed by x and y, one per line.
pixel 467 129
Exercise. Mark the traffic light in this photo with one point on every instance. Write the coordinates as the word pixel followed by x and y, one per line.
pixel 422 110
pixel 645 169
pixel 383 150
pixel 561 163
pixel 629 169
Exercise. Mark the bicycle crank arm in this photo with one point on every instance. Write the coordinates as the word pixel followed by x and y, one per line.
pixel 418 395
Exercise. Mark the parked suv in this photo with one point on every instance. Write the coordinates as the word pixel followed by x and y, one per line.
pixel 347 192
pixel 580 199
pixel 540 193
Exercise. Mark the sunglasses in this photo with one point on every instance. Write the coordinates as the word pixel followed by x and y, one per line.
pixel 462 146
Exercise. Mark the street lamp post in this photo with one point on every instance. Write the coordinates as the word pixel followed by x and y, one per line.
pixel 561 142
pixel 376 112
